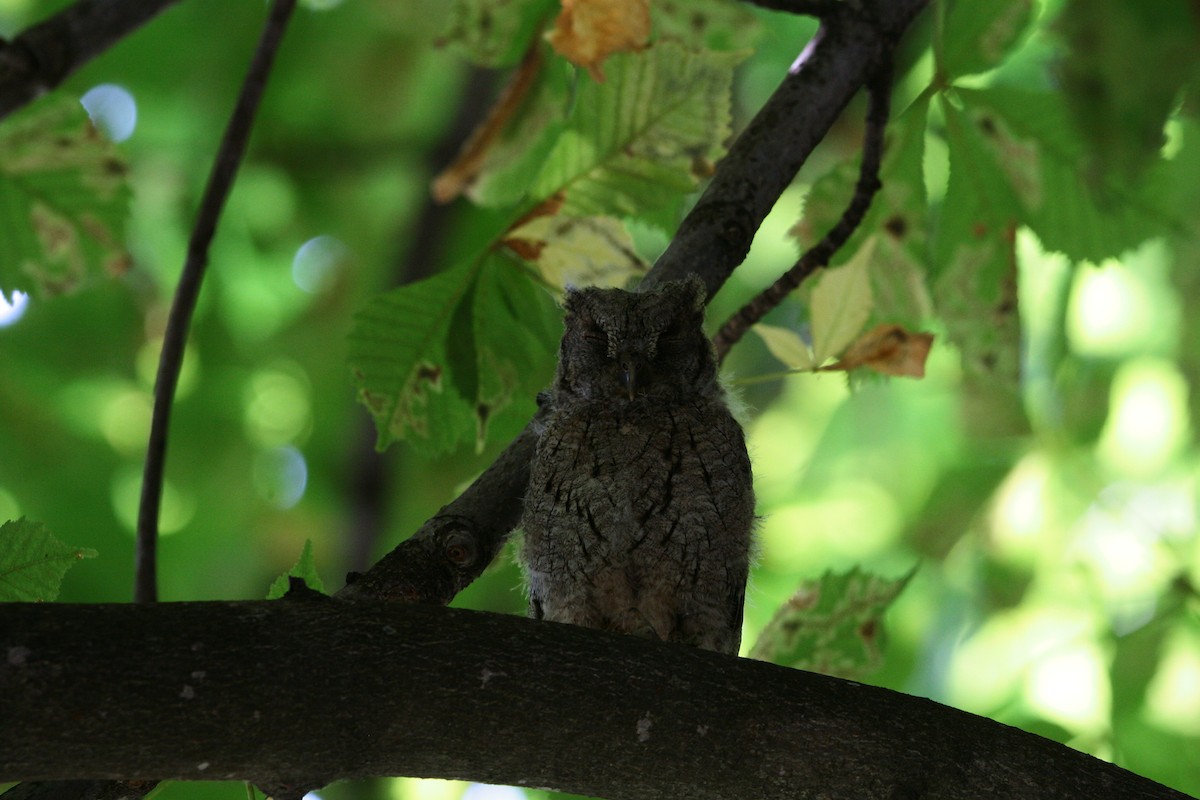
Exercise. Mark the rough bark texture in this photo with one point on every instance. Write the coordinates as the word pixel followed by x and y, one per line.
pixel 306 692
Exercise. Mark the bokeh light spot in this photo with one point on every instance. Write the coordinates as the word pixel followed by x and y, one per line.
pixel 281 475
pixel 1148 421
pixel 125 421
pixel 316 263
pixel 1070 686
pixel 1173 696
pixel 12 309
pixel 9 507
pixel 276 410
pixel 177 509
pixel 112 109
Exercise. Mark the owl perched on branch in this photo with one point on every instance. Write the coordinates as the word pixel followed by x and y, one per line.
pixel 640 504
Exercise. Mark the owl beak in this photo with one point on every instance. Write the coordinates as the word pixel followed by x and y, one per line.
pixel 629 376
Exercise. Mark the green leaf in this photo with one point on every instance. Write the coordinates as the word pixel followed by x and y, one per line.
pixel 974 286
pixel 641 140
pixel 1029 140
pixel 513 159
pixel 708 24
pixel 305 568
pixel 841 304
pixel 437 360
pixel 786 345
pixel 976 37
pixel 495 33
pixel 33 562
pixel 516 331
pixel 399 353
pixel 1124 67
pixel 832 625
pixel 63 201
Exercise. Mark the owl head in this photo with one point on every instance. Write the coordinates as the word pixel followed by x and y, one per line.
pixel 621 346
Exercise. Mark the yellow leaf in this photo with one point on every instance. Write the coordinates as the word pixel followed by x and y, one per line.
pixel 888 349
pixel 577 251
pixel 786 345
pixel 589 31
pixel 841 304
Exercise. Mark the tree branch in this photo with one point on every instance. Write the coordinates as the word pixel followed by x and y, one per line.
pixel 42 57
pixel 880 92
pixel 183 691
pixel 847 50
pixel 170 361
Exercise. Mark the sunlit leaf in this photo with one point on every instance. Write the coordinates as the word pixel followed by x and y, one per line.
pixel 578 251
pixel 63 201
pixel 516 153
pixel 832 625
pixel 33 562
pixel 643 138
pixel 786 345
pixel 978 36
pixel 890 350
pixel 304 568
pixel 841 304
pixel 495 33
pixel 587 32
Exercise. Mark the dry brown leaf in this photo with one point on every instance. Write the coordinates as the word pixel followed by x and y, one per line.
pixel 589 31
pixel 889 349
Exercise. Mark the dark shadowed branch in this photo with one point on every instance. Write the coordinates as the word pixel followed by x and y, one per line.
pixel 229 156
pixel 40 58
pixel 407 689
pixel 879 93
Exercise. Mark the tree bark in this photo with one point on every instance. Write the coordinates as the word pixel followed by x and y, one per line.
pixel 303 692
pixel 42 57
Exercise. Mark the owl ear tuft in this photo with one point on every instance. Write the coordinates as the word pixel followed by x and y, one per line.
pixel 691 291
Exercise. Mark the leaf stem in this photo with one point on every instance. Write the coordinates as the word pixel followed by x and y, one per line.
pixel 220 180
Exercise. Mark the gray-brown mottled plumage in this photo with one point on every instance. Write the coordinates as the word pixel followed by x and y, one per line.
pixel 639 511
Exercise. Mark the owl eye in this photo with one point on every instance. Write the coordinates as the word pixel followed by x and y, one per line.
pixel 594 333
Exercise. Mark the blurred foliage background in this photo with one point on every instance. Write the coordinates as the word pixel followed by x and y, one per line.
pixel 1054 535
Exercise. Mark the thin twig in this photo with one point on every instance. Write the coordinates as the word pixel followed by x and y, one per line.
pixel 879 91
pixel 220 180
pixel 41 57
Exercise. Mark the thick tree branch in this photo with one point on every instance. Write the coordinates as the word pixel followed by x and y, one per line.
pixel 170 361
pixel 42 57
pixel 184 691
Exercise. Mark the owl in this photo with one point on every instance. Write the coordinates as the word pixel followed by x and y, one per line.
pixel 640 506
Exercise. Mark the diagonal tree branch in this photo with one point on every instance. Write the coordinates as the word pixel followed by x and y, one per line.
pixel 229 691
pixel 220 181
pixel 42 57
pixel 454 546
